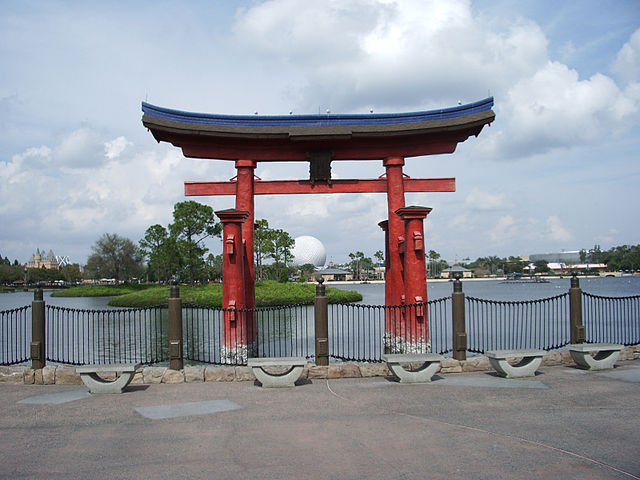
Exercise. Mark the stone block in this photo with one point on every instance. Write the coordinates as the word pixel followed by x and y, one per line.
pixel 450 365
pixel 153 374
pixel 344 370
pixel 316 371
pixel 37 377
pixel 12 374
pixel 219 374
pixel 67 376
pixel 373 369
pixel 173 376
pixel 566 357
pixel 626 353
pixel 552 358
pixel 107 376
pixel 194 374
pixel 476 364
pixel 244 374
pixel 49 375
pixel 29 376
pixel 138 378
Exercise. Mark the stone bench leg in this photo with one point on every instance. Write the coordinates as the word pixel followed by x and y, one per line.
pixel 422 375
pixel 526 368
pixel 604 359
pixel 286 379
pixel 99 385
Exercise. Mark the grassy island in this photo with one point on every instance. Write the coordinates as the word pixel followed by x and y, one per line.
pixel 268 293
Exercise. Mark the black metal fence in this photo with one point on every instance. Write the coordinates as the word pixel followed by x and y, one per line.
pixel 78 337
pixel 355 332
pixel 611 319
pixel 281 332
pixel 15 333
pixel 499 325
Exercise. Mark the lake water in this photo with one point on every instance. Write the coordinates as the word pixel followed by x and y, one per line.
pixel 373 293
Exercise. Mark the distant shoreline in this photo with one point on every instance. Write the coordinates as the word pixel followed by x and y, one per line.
pixel 480 279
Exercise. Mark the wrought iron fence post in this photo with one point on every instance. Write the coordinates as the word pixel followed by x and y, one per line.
pixel 321 317
pixel 38 351
pixel 176 361
pixel 575 311
pixel 458 314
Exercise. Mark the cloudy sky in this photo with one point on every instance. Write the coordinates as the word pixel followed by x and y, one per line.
pixel 558 169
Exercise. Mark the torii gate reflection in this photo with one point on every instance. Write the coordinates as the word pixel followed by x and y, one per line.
pixel 321 139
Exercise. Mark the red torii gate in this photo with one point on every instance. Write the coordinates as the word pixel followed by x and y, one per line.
pixel 321 139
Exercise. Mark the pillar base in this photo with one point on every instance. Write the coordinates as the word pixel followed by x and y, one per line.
pixel 397 344
pixel 236 355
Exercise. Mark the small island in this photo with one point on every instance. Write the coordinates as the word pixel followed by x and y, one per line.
pixel 269 293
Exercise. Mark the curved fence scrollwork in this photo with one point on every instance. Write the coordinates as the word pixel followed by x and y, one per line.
pixel 499 325
pixel 611 319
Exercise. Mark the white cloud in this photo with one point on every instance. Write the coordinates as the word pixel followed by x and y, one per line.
pixel 627 62
pixel 506 228
pixel 557 231
pixel 387 54
pixel 554 108
pixel 479 199
pixel 115 147
pixel 81 148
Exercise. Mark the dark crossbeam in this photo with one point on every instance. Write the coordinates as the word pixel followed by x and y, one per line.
pixel 280 187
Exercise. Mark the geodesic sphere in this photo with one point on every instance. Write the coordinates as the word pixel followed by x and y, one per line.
pixel 308 249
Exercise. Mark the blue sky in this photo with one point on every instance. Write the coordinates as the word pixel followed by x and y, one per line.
pixel 558 169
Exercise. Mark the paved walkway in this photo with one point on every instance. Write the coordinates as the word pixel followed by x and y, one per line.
pixel 564 423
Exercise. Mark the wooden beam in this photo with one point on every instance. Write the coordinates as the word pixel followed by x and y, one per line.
pixel 279 187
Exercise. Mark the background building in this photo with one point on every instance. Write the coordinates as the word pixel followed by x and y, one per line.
pixel 38 260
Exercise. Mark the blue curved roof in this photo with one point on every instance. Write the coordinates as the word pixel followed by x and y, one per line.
pixel 315 120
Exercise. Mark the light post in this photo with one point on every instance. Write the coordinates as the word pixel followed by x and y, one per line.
pixel 458 315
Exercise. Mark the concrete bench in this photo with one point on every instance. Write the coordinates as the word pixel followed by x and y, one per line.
pixel 295 366
pixel 531 360
pixel 605 357
pixel 90 377
pixel 430 363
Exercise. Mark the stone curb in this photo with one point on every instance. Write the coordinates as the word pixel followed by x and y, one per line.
pixel 66 374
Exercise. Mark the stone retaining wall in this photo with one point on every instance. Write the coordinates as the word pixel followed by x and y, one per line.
pixel 66 375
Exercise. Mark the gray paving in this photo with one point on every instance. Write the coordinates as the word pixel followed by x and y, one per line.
pixel 487 381
pixel 582 425
pixel 56 398
pixel 630 374
pixel 187 409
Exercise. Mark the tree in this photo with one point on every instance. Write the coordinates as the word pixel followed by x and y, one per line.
pixel 434 265
pixel 214 267
pixel 193 222
pixel 162 252
pixel 306 271
pixel 355 264
pixel 541 266
pixel 514 265
pixel 279 246
pixel 114 257
pixel 261 245
pixel 379 256
pixel 71 273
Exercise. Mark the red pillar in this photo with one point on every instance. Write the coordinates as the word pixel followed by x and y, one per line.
pixel 416 329
pixel 245 202
pixel 394 280
pixel 234 348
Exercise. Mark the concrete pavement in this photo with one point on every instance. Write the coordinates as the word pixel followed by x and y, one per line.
pixel 564 423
